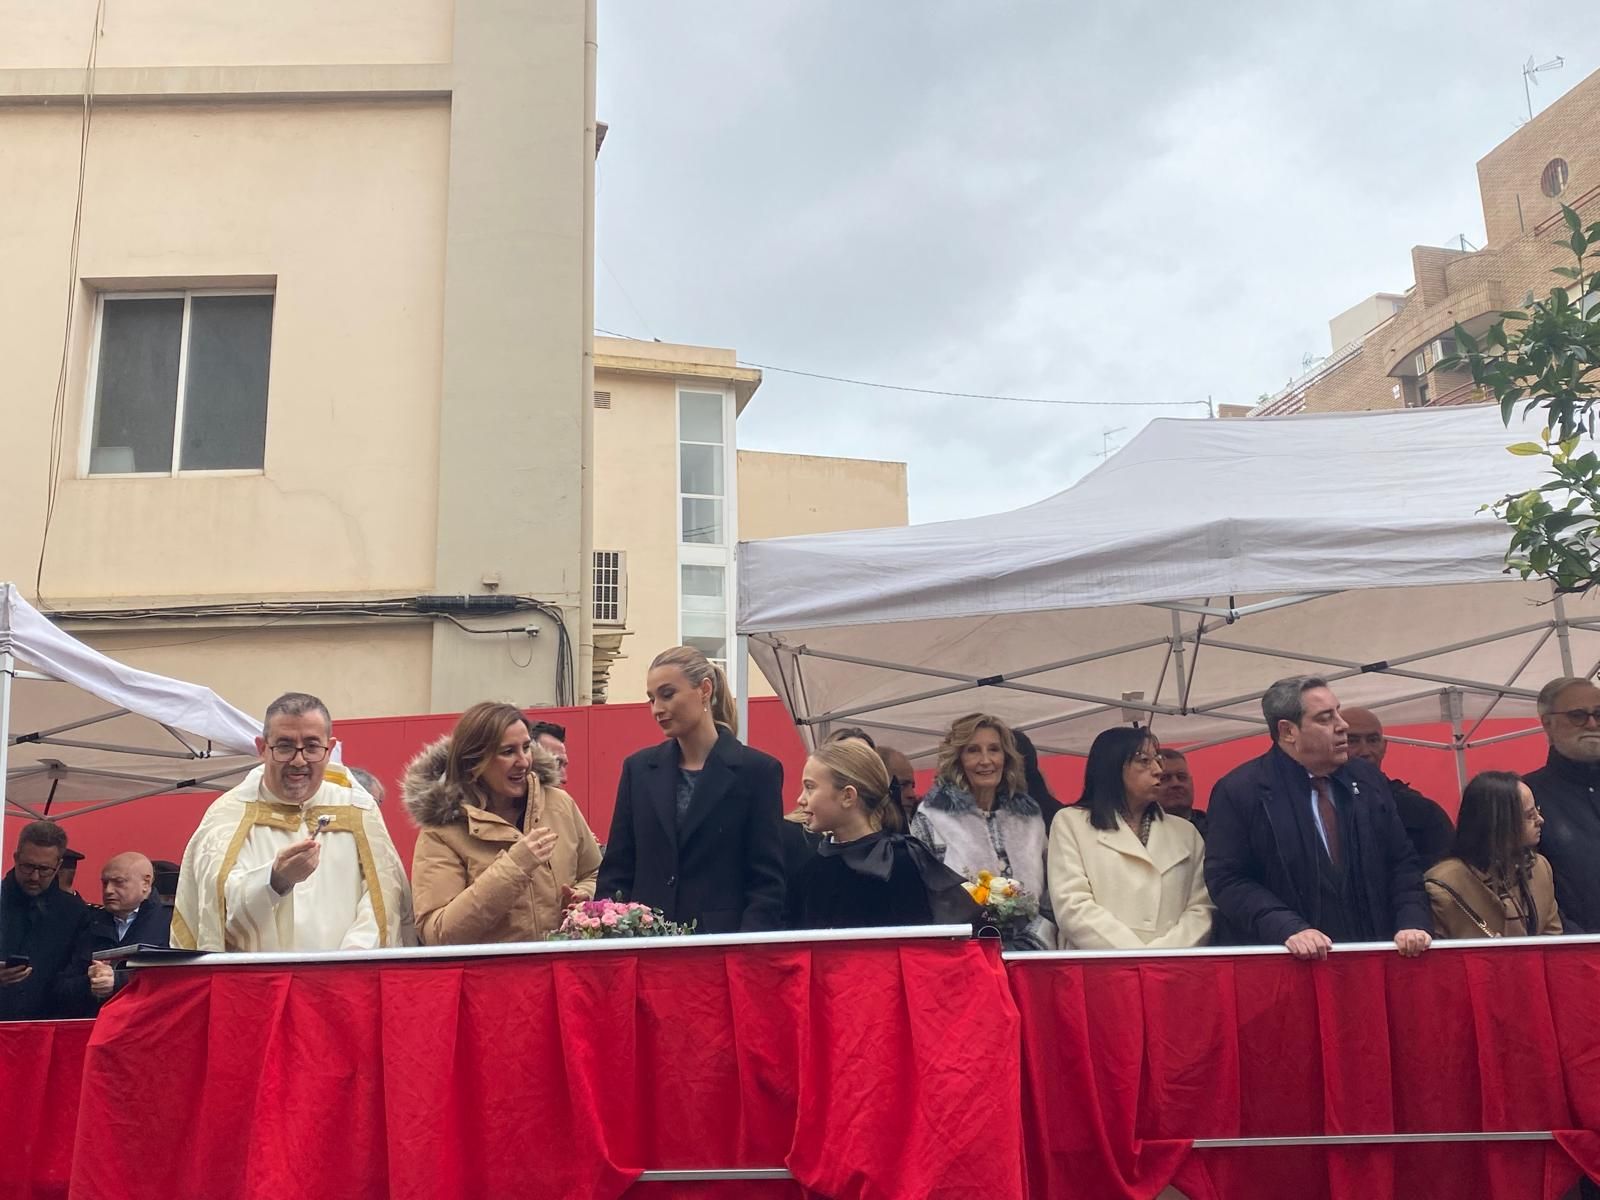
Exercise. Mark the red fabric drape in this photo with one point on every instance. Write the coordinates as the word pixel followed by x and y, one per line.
pixel 1126 1061
pixel 856 1065
pixel 41 1068
pixel 870 1070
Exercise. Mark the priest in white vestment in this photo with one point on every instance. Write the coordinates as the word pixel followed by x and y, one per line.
pixel 297 857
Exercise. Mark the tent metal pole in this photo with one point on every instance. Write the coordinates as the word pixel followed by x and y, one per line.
pixel 1508 737
pixel 1419 742
pixel 1515 675
pixel 1019 673
pixel 112 715
pixel 8 668
pixel 1563 636
pixel 1450 702
pixel 741 684
pixel 114 748
pixel 1351 670
pixel 1255 698
pixel 1231 615
pixel 1177 659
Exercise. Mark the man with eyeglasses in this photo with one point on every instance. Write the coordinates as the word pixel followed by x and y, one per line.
pixel 44 933
pixel 296 857
pixel 1565 787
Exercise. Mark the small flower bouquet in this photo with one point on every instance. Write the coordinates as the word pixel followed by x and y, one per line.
pixel 1005 905
pixel 615 919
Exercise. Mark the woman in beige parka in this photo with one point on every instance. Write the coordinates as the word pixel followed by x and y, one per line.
pixel 501 851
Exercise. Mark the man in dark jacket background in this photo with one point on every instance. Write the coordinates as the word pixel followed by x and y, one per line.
pixel 44 930
pixel 132 916
pixel 1427 825
pixel 1304 846
pixel 1565 788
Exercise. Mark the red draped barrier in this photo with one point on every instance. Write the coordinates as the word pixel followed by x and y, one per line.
pixel 41 1068
pixel 868 1069
pixel 1126 1061
pixel 558 1074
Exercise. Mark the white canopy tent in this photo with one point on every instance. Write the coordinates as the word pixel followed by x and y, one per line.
pixel 1175 582
pixel 77 726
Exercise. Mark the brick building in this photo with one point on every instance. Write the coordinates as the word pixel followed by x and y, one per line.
pixel 1385 348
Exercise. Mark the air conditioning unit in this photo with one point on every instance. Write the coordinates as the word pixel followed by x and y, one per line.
pixel 610 587
pixel 1442 348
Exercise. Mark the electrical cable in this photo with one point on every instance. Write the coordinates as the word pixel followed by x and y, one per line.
pixel 402 608
pixel 922 391
pixel 58 416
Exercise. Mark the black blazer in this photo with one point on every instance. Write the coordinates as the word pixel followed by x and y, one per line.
pixel 151 927
pixel 52 929
pixel 724 868
pixel 1262 856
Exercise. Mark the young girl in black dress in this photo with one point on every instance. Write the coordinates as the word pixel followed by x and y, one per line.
pixel 862 875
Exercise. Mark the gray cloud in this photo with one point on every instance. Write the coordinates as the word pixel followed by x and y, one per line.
pixel 1123 202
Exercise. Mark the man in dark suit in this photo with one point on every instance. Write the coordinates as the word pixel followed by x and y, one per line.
pixel 132 916
pixel 1427 825
pixel 1305 847
pixel 43 931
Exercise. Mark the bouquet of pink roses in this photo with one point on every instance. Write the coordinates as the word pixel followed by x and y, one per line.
pixel 615 919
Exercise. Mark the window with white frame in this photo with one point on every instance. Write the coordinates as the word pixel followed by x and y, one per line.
pixel 707 521
pixel 610 587
pixel 179 382
pixel 701 474
pixel 703 592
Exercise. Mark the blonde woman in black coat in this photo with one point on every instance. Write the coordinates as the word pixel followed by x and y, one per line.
pixel 697 830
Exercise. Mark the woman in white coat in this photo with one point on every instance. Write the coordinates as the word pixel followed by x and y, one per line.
pixel 1123 875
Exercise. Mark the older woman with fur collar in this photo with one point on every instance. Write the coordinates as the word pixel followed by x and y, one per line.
pixel 502 852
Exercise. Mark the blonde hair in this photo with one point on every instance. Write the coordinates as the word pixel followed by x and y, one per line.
pixel 1014 779
pixel 474 741
pixel 855 764
pixel 697 668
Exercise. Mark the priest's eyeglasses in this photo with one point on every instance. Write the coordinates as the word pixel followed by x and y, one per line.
pixel 1582 716
pixel 284 752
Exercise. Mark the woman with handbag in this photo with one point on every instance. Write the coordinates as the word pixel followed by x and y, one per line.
pixel 1495 884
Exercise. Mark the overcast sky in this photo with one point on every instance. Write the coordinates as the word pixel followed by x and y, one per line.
pixel 1128 202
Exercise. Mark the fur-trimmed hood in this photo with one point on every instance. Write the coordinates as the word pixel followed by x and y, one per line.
pixel 433 802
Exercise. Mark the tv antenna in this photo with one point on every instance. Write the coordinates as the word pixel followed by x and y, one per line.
pixel 1105 440
pixel 1530 75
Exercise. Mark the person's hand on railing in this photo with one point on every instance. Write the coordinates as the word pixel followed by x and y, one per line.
pixel 1309 945
pixel 1412 942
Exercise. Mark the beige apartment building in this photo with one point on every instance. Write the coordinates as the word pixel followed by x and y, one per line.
pixel 295 341
pixel 323 412
pixel 1386 349
pixel 674 496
